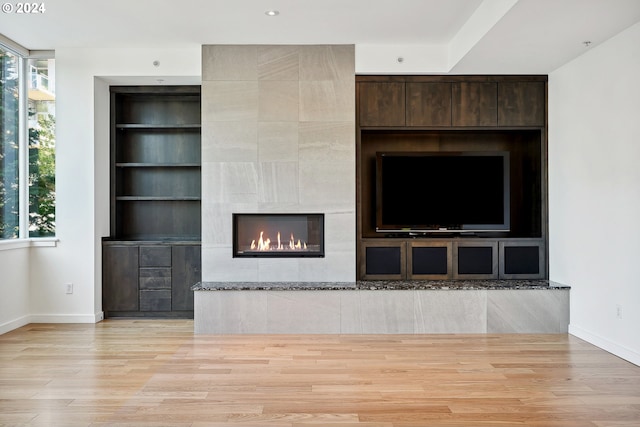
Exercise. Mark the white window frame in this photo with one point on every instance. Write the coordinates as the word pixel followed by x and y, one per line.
pixel 23 239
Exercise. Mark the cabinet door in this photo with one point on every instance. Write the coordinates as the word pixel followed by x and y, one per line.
pixel 428 104
pixel 522 259
pixel 475 259
pixel 521 103
pixel 381 104
pixel 383 260
pixel 430 260
pixel 120 278
pixel 475 104
pixel 186 272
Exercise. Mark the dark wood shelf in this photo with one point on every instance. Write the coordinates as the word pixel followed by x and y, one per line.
pixel 158 165
pixel 159 126
pixel 152 198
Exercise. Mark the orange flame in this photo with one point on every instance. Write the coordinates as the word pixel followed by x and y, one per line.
pixel 264 243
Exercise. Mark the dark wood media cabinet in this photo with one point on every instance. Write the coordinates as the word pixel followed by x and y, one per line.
pixel 455 113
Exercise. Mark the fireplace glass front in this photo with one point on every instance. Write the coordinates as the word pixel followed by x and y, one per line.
pixel 278 235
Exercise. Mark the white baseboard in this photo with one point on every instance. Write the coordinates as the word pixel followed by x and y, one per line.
pixel 613 348
pixel 50 318
pixel 14 324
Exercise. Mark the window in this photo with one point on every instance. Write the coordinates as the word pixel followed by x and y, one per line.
pixel 42 145
pixel 9 145
pixel 27 146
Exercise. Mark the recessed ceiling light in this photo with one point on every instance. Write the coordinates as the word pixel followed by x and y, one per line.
pixel 272 13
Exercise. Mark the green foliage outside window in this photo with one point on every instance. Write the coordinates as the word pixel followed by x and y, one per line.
pixel 9 148
pixel 42 178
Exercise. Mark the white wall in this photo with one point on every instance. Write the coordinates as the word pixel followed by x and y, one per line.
pixel 14 288
pixel 594 191
pixel 82 179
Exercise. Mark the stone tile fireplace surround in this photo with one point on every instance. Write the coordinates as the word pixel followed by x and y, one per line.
pixel 278 136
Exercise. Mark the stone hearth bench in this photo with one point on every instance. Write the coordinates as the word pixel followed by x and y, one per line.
pixel 381 307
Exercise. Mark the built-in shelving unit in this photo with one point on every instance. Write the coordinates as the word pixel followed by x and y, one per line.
pixel 455 113
pixel 155 201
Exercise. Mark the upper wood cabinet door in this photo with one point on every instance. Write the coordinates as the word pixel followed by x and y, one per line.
pixel 428 104
pixel 521 103
pixel 474 104
pixel 381 104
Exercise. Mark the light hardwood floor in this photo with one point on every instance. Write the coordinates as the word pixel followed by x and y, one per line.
pixel 157 373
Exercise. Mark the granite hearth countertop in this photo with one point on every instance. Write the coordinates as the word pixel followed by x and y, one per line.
pixel 374 285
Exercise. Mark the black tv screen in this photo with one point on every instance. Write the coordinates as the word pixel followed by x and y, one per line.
pixel 442 191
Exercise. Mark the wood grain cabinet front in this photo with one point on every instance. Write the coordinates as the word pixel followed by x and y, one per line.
pixel 429 104
pixel 150 279
pixel 474 104
pixel 120 278
pixel 381 104
pixel 521 103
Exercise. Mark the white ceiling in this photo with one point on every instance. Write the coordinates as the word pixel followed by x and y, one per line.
pixel 462 36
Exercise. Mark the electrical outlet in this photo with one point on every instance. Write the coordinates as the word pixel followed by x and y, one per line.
pixel 618 311
pixel 69 288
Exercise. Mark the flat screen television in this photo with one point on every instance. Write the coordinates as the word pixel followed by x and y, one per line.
pixel 431 192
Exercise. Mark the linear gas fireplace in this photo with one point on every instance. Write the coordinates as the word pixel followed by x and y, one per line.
pixel 278 235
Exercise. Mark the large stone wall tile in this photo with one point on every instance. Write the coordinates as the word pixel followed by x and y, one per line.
pixel 278 269
pixel 350 313
pixel 217 220
pixel 230 141
pixel 212 182
pixel 331 184
pixel 230 312
pixel 389 312
pixel 338 230
pixel 218 265
pixel 327 62
pixel 327 101
pixel 334 267
pixel 279 207
pixel 225 101
pixel 278 101
pixel 278 182
pixel 450 311
pixel 528 311
pixel 240 182
pixel 278 62
pixel 294 312
pixel 229 62
pixel 327 141
pixel 216 223
pixel 278 141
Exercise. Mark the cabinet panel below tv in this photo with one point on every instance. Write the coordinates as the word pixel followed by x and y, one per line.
pixel 457 258
pixel 384 259
pixel 429 260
